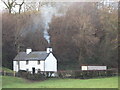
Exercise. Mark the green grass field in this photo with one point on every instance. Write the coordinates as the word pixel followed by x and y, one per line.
pixel 15 82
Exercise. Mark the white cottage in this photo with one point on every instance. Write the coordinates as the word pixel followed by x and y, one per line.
pixel 35 61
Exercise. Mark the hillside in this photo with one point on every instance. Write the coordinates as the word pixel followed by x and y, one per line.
pixel 6 69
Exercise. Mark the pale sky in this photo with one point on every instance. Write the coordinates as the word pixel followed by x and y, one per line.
pixel 2 6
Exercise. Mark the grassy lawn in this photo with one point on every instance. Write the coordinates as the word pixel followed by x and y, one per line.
pixel 15 82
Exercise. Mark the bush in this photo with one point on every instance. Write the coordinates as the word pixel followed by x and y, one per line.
pixel 28 75
pixel 22 73
pixel 65 74
pixel 36 77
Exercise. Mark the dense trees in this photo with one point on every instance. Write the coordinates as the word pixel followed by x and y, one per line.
pixel 87 34
pixel 35 40
pixel 20 32
pixel 8 38
pixel 83 33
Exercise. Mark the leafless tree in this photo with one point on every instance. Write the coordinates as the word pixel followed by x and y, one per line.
pixel 20 5
pixel 9 4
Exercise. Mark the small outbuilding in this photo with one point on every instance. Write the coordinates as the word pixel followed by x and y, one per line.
pixel 35 61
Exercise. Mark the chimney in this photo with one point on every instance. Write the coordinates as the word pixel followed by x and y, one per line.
pixel 49 50
pixel 28 51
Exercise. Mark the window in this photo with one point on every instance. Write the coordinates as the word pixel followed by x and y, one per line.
pixel 38 62
pixel 27 70
pixel 39 70
pixel 27 62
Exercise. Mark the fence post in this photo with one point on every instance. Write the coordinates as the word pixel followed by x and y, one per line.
pixel 14 74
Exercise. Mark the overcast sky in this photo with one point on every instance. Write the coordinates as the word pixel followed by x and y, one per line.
pixel 2 6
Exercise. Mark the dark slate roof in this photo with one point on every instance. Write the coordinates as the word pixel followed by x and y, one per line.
pixel 37 55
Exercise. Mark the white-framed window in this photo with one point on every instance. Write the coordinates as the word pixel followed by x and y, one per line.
pixel 27 69
pixel 27 62
pixel 38 62
pixel 39 70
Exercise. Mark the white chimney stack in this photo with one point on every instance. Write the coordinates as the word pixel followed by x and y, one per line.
pixel 49 50
pixel 28 51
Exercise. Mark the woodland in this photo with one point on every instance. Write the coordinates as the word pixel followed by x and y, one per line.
pixel 81 33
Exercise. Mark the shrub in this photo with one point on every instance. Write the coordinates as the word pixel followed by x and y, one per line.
pixel 22 73
pixel 36 77
pixel 28 75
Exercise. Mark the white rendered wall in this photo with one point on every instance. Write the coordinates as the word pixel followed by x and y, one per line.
pixel 28 51
pixel 15 66
pixel 94 67
pixel 97 67
pixel 29 66
pixel 51 63
pixel 83 67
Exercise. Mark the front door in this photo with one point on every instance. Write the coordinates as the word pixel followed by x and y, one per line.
pixel 33 70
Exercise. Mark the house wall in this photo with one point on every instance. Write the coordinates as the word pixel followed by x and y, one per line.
pixel 29 66
pixel 15 66
pixel 51 63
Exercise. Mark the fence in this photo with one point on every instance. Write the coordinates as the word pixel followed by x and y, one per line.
pixel 65 74
pixel 87 74
pixel 4 73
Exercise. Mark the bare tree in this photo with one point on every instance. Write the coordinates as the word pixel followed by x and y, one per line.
pixel 20 6
pixel 9 4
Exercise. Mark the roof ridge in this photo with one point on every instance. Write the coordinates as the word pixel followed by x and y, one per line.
pixel 33 51
pixel 39 55
pixel 38 51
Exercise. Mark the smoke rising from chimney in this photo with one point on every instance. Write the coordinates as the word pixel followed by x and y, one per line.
pixel 47 11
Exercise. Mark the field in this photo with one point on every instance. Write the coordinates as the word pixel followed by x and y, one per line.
pixel 15 82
